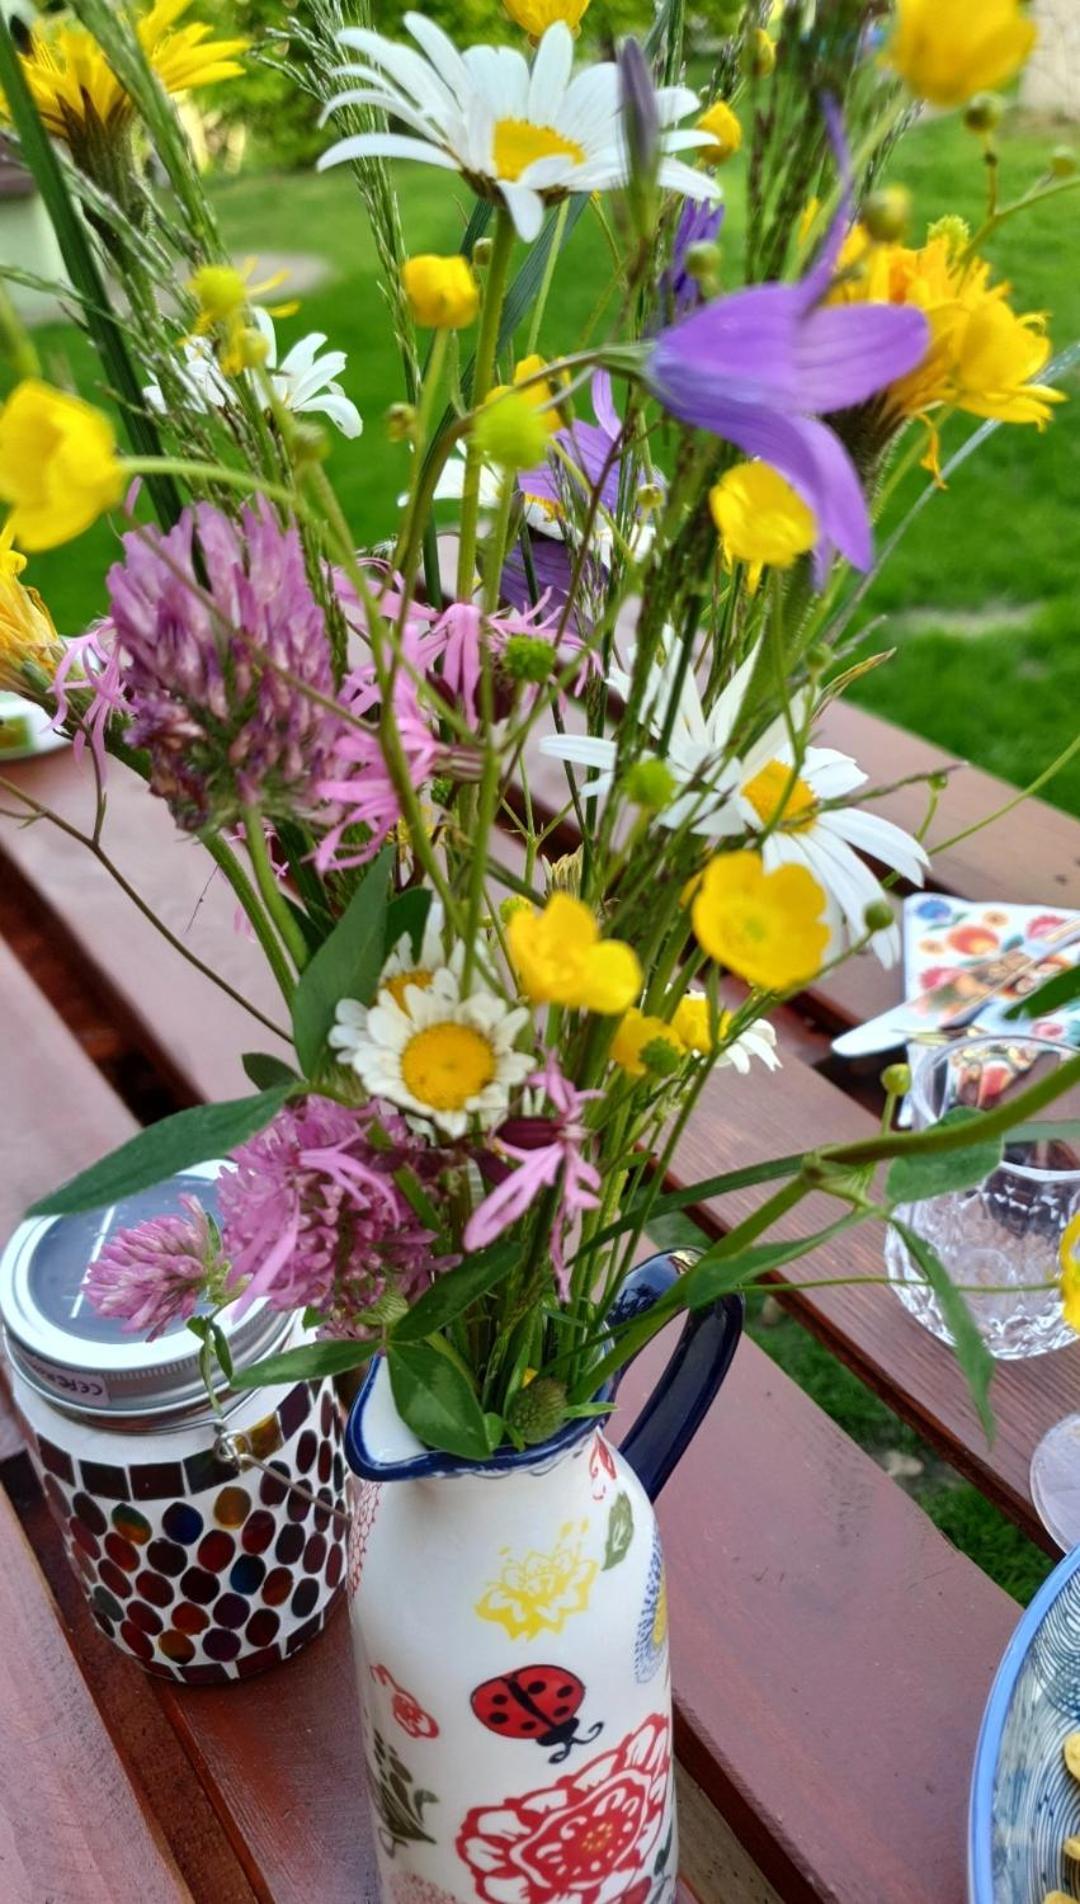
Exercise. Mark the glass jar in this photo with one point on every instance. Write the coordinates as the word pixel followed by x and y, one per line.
pixel 209 1548
pixel 999 1239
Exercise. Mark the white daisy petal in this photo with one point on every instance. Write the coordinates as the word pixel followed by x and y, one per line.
pixel 383 145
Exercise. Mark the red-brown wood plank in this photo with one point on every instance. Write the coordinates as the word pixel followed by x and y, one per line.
pixel 71 1827
pixel 831 1651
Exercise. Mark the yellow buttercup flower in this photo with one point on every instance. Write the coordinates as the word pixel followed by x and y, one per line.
pixel 224 296
pixel 693 1022
pixel 535 16
pixel 644 1044
pixel 443 293
pixel 58 465
pixel 560 959
pixel 767 927
pixel 725 131
pixel 1069 1260
pixel 29 644
pixel 761 520
pixel 947 50
pixel 75 89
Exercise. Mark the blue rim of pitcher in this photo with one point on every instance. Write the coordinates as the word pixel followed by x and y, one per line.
pixel 430 1464
pixel 987 1751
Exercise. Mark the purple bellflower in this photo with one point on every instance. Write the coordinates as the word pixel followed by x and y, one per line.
pixel 762 367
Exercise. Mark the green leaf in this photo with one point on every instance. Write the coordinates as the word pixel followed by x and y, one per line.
pixel 195 1136
pixel 455 1291
pixel 437 1401
pixel 347 965
pixel 715 1275
pixel 267 1072
pixel 307 1364
pixel 913 1178
pixel 408 913
pixel 620 1532
pixel 971 1351
pixel 1060 990
pixel 222 1350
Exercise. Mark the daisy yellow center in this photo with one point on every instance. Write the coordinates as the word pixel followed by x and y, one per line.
pixel 444 1066
pixel 396 985
pixel 518 143
pixel 774 796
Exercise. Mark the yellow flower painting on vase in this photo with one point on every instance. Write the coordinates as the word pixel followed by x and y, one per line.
pixel 538 1593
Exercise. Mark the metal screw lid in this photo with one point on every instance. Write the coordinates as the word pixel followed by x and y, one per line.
pixel 85 1362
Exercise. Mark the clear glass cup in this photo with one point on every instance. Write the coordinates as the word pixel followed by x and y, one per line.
pixel 1003 1234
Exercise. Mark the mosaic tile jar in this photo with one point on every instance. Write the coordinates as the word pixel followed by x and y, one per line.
pixel 202 1571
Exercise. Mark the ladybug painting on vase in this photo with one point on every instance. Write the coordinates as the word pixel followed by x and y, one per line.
pixel 535 1702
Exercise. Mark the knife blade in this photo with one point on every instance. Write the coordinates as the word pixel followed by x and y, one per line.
pixel 956 1002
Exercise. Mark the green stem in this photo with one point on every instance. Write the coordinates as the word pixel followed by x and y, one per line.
pixel 272 896
pixel 227 862
pixel 483 374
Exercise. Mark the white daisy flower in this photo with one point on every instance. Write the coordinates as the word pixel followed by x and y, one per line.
pixel 523 135
pixel 725 795
pixel 757 1041
pixel 303 381
pixel 446 1058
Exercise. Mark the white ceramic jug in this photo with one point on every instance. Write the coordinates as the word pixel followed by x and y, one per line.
pixel 510 1629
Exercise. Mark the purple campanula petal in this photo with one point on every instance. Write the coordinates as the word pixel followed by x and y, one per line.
pixel 845 353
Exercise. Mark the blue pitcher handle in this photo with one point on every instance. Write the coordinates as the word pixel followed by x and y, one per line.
pixel 684 1394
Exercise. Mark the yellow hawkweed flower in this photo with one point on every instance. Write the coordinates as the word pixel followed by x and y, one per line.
pixel 767 927
pixel 761 520
pixel 75 89
pixel 443 294
pixel 644 1044
pixel 535 16
pixel 58 465
pixel 982 353
pixel 1069 1260
pixel 29 643
pixel 946 50
pixel 724 129
pixel 560 959
pixel 995 354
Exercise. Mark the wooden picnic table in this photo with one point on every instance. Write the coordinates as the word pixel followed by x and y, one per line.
pixel 831 1650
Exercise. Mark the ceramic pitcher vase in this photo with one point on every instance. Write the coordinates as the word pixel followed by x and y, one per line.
pixel 510 1632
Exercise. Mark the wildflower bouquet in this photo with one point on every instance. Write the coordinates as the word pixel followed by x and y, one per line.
pixel 526 806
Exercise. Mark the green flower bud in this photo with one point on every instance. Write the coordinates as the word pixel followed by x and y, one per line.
pixel 661 1057
pixel 887 213
pixel 955 230
pixel 896 1079
pixel 311 443
pixel 511 904
pixel 442 790
pixel 536 1412
pixel 511 432
pixel 481 253
pixel 650 784
pixel 528 658
pixel 650 496
pixel 984 112
pixel 400 422
pixel 1063 161
pixel 878 916
pixel 390 1308
pixel 702 260
pixel 937 782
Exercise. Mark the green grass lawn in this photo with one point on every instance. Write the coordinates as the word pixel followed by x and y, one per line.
pixel 981 597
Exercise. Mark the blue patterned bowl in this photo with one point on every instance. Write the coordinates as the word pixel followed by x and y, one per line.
pixel 1024 1804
